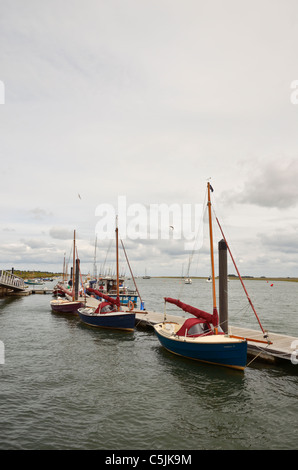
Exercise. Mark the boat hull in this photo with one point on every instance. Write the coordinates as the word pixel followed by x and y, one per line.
pixel 66 306
pixel 213 350
pixel 115 320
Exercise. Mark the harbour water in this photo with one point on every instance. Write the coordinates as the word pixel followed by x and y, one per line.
pixel 66 386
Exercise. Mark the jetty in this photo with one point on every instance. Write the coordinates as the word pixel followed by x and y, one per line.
pixel 11 283
pixel 279 348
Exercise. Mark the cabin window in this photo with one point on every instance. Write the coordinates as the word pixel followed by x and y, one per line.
pixel 198 329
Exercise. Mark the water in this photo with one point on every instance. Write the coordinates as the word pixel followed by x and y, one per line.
pixel 67 386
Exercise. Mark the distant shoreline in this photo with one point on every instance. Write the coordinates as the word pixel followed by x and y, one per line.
pixel 235 278
pixel 45 274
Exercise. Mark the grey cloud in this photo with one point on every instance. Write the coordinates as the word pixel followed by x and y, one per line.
pixel 61 233
pixel 281 242
pixel 39 213
pixel 273 185
pixel 37 244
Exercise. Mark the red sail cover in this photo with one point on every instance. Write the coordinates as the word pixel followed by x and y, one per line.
pixel 65 290
pixel 106 297
pixel 195 311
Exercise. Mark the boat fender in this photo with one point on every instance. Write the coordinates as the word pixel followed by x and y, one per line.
pixel 130 305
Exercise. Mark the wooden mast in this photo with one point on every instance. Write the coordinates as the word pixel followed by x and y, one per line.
pixel 74 265
pixel 211 251
pixel 117 261
pixel 64 277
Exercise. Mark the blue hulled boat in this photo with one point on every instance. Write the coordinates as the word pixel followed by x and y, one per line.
pixel 108 314
pixel 114 320
pixel 198 339
pixel 217 350
pixel 201 338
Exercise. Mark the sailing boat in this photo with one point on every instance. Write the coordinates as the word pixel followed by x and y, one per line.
pixel 70 304
pixel 188 280
pixel 201 338
pixel 109 314
pixel 146 275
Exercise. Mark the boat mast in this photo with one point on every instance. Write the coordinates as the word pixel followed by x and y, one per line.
pixel 211 250
pixel 74 265
pixel 64 277
pixel 94 260
pixel 117 260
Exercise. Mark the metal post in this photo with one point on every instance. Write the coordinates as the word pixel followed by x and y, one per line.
pixel 77 277
pixel 223 285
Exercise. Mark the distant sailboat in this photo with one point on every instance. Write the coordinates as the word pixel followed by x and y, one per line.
pixel 146 275
pixel 187 279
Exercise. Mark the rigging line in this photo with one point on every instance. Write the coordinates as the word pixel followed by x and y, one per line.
pixel 249 299
pixel 181 288
pixel 204 212
pixel 247 365
pixel 131 272
pixel 262 350
pixel 195 244
pixel 199 229
pixel 243 309
pixel 107 253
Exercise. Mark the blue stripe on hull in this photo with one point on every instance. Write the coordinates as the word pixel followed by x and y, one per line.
pixel 230 355
pixel 121 322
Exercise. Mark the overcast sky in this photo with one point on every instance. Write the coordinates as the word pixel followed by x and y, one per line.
pixel 147 100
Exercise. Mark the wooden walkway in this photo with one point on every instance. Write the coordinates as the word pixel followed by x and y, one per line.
pixel 11 282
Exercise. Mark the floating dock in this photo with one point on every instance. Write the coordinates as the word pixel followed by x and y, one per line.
pixel 282 348
pixel 29 291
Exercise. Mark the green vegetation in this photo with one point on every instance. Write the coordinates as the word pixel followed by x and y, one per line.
pixel 35 274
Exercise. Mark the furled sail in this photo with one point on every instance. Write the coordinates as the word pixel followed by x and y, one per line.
pixel 105 296
pixel 195 311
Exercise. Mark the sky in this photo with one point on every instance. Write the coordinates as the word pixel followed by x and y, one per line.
pixel 145 101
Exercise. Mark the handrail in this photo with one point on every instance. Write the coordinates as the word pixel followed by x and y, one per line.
pixel 10 280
